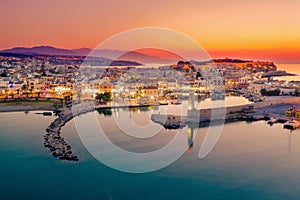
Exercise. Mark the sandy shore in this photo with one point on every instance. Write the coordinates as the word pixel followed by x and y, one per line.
pixel 25 106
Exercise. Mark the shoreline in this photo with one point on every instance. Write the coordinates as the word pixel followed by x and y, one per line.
pixel 59 148
pixel 48 105
pixel 25 106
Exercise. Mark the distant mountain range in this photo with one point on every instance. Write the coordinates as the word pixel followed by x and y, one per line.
pixel 103 53
pixel 44 50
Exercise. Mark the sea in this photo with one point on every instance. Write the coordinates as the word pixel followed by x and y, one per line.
pixel 290 68
pixel 250 160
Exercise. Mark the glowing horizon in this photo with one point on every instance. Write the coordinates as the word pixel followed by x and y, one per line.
pixel 267 30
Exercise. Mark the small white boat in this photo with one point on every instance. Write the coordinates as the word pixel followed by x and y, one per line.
pixel 272 120
pixel 175 101
pixel 163 102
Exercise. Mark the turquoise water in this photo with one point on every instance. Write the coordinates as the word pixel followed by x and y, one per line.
pixel 250 161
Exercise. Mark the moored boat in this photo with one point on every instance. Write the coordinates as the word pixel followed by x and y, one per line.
pixel 293 124
pixel 163 102
pixel 175 101
pixel 272 120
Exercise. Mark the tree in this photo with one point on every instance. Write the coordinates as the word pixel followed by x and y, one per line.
pixel 56 105
pixel 12 95
pixel 67 99
pixel 104 97
pixel 297 92
pixel 198 75
pixel 27 94
pixel 18 91
pixel 24 87
pixel 39 94
pixel 275 92
pixel 263 92
pixel 4 74
pixel 61 102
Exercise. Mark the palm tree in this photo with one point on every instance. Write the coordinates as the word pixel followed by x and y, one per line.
pixel 12 95
pixel 30 91
pixel 61 101
pixel 38 93
pixel 18 91
pixel 27 94
pixel 67 99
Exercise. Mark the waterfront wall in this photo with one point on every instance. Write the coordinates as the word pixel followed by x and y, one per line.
pixel 219 112
pixel 287 100
pixel 215 112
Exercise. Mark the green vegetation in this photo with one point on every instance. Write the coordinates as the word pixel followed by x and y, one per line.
pixel 297 92
pixel 56 105
pixel 104 97
pixel 275 92
pixel 3 74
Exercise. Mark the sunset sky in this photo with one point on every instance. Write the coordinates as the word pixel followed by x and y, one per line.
pixel 252 29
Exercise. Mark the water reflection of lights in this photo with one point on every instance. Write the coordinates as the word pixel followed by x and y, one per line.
pixel 117 113
pixel 190 136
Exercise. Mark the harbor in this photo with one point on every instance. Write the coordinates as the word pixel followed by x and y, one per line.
pixel 240 142
pixel 272 112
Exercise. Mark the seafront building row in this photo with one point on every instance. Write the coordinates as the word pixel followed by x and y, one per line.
pixel 43 78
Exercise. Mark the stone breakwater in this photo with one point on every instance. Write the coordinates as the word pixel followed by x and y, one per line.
pixel 53 140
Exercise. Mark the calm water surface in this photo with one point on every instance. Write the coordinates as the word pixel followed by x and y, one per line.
pixel 250 161
pixel 291 68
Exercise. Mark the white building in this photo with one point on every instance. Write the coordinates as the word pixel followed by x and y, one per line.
pixel 257 86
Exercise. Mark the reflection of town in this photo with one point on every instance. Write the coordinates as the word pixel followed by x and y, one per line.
pixel 189 128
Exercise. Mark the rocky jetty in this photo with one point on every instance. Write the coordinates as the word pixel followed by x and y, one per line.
pixel 55 142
